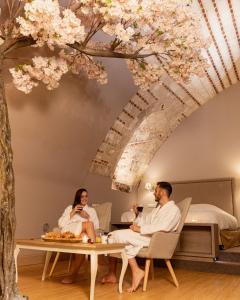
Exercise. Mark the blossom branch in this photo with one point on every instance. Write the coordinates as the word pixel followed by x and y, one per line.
pixel 93 31
pixel 170 31
pixel 14 44
pixel 107 53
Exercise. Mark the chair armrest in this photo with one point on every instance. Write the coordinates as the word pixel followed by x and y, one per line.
pixel 163 245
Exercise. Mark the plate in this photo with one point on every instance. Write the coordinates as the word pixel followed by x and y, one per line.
pixel 62 240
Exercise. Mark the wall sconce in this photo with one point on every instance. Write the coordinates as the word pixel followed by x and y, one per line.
pixel 149 187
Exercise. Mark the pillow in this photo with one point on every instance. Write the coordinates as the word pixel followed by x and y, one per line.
pixel 128 216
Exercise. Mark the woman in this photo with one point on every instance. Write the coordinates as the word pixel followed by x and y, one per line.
pixel 79 219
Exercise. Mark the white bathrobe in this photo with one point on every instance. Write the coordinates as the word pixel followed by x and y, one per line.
pixel 165 218
pixel 74 224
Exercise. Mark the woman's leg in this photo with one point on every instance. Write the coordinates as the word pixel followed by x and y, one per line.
pixel 111 277
pixel 78 260
pixel 88 228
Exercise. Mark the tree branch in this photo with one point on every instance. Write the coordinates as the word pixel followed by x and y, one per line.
pixel 108 53
pixel 14 44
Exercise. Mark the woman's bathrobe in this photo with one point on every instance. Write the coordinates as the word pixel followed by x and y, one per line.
pixel 74 224
pixel 165 218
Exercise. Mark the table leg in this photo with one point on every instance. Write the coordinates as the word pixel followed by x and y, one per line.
pixel 47 259
pixel 94 267
pixel 54 263
pixel 16 251
pixel 123 271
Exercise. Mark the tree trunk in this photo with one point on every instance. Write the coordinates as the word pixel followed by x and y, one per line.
pixel 8 289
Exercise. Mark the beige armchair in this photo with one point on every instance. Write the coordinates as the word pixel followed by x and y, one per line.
pixel 163 245
pixel 104 211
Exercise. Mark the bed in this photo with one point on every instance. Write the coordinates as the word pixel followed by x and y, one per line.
pixel 213 208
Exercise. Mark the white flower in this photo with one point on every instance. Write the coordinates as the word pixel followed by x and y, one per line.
pixel 45 23
pixel 81 63
pixel 22 81
pixel 124 34
pixel 145 74
pixel 48 70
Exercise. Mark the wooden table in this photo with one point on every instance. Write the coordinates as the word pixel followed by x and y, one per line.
pixel 79 248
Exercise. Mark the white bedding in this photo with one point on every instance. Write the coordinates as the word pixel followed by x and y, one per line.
pixel 207 213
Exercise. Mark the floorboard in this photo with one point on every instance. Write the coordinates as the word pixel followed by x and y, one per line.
pixel 193 286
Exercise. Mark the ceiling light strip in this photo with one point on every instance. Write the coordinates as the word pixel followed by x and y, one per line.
pixel 234 21
pixel 173 93
pixel 211 81
pixel 225 38
pixel 215 68
pixel 179 84
pixel 214 40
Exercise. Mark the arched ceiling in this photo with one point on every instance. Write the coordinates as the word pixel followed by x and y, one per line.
pixel 151 116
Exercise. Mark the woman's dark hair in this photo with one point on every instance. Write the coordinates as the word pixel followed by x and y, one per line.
pixel 166 186
pixel 77 199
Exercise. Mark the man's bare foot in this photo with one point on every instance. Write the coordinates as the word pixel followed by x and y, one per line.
pixel 69 280
pixel 136 280
pixel 109 278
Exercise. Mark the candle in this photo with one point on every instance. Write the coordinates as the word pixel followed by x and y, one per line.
pixel 104 239
pixel 85 239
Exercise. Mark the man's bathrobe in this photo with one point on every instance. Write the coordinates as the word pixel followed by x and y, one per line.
pixel 165 218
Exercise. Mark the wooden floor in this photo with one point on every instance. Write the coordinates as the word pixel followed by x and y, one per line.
pixel 193 286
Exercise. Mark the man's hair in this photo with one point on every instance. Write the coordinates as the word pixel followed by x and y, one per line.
pixel 166 186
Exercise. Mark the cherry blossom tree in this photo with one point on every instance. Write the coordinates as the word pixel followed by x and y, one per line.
pixel 152 36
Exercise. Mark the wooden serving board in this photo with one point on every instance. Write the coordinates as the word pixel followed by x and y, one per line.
pixel 62 240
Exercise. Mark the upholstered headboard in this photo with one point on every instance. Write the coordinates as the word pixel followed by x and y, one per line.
pixel 218 192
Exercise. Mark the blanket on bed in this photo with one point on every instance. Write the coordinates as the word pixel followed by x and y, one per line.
pixel 230 238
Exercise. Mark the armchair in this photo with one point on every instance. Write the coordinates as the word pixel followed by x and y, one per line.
pixel 163 245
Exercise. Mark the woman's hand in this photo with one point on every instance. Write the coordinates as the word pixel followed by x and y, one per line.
pixel 77 209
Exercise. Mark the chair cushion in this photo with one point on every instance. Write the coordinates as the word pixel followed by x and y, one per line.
pixel 143 252
pixel 184 207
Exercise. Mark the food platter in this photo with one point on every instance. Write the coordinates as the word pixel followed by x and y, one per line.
pixel 62 240
pixel 66 237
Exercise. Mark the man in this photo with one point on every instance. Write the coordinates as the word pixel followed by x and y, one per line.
pixel 165 217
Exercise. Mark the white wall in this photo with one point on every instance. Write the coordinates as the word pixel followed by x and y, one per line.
pixel 206 145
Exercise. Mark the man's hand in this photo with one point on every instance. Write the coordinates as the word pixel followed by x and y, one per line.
pixel 135 228
pixel 134 207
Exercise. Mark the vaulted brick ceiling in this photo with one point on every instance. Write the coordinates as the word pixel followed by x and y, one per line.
pixel 151 116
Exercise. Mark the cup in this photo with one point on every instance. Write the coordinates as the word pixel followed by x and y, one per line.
pixel 85 239
pixel 104 239
pixel 98 239
pixel 110 240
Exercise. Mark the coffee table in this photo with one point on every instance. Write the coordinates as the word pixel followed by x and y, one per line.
pixel 78 248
